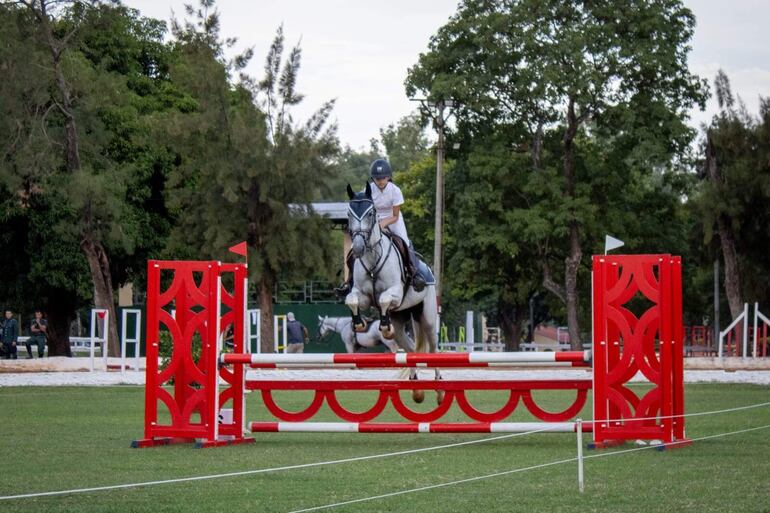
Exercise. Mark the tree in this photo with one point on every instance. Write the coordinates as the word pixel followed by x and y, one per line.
pixel 242 161
pixel 81 78
pixel 552 65
pixel 735 188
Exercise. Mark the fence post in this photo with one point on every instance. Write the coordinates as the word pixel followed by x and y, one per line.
pixel 579 429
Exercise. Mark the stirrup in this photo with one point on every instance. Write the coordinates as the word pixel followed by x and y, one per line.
pixel 343 290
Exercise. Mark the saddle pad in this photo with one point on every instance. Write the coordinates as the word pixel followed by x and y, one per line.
pixel 426 273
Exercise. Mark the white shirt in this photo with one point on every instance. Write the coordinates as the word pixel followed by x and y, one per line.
pixel 384 201
pixel 387 198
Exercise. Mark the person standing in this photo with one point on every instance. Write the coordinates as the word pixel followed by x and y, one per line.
pixel 10 335
pixel 39 330
pixel 297 335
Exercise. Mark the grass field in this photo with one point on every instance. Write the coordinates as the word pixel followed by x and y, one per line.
pixel 78 437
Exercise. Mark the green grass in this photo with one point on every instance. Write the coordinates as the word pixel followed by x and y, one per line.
pixel 75 437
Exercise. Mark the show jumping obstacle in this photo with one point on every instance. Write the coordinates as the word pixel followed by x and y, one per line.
pixel 624 344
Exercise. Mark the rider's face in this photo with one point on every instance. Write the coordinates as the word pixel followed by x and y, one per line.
pixel 381 182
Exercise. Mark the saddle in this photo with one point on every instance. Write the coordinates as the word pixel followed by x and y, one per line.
pixel 421 267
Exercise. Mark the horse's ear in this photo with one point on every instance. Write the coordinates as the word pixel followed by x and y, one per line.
pixel 368 191
pixel 320 318
pixel 351 194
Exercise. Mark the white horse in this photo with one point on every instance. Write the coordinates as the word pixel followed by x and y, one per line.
pixel 353 340
pixel 378 280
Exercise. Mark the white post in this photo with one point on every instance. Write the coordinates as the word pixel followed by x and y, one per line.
pixel 756 318
pixel 275 334
pixel 123 334
pixel 285 338
pixel 93 338
pixel 95 334
pixel 470 338
pixel 745 329
pixel 285 335
pixel 138 346
pixel 125 339
pixel 105 338
pixel 579 426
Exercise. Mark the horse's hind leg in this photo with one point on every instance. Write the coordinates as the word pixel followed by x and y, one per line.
pixel 407 344
pixel 425 325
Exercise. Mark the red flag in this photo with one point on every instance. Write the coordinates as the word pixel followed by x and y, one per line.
pixel 101 313
pixel 239 249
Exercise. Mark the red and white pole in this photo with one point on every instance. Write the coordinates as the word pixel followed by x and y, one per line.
pixel 387 360
pixel 414 427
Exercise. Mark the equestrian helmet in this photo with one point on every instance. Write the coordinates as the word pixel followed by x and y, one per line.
pixel 380 169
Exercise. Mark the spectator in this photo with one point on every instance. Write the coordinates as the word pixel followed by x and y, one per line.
pixel 229 338
pixel 297 334
pixel 10 335
pixel 38 329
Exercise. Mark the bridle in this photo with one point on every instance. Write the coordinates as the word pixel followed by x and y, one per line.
pixel 365 211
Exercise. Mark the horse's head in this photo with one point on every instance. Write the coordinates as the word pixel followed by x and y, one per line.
pixel 323 327
pixel 362 219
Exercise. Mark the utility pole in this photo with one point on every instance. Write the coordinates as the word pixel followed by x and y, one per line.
pixel 439 224
pixel 439 111
pixel 716 302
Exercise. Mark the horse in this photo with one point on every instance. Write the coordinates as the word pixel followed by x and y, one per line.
pixel 371 338
pixel 378 281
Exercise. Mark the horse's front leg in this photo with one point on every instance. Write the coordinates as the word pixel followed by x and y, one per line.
pixel 357 301
pixel 390 298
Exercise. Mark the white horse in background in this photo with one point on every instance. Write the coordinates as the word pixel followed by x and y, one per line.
pixel 353 340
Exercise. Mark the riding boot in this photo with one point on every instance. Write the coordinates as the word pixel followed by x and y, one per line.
pixel 344 289
pixel 418 282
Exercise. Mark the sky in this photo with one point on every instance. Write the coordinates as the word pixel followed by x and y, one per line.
pixel 359 51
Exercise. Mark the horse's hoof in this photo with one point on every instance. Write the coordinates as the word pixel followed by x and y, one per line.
pixel 439 397
pixel 387 332
pixel 360 328
pixel 418 396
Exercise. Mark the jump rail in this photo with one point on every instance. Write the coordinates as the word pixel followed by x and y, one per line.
pixel 390 360
pixel 204 396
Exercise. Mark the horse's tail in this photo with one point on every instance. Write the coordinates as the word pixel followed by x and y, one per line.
pixel 421 342
pixel 424 316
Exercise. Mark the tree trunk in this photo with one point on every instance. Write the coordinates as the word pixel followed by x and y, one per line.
pixel 265 291
pixel 60 316
pixel 104 298
pixel 726 237
pixel 732 276
pixel 512 319
pixel 572 262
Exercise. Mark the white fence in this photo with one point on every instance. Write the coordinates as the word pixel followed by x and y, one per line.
pixel 737 335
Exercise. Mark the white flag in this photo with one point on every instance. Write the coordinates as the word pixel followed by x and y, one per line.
pixel 611 243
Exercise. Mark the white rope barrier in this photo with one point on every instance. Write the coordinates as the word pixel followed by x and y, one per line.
pixel 386 455
pixel 266 470
pixel 506 472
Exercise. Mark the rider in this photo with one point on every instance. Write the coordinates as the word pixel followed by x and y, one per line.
pixel 388 199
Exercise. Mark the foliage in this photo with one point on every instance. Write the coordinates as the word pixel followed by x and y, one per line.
pixel 586 101
pixel 741 143
pixel 112 64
